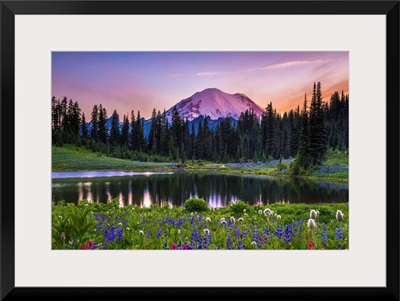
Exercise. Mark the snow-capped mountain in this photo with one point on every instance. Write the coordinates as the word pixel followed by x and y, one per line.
pixel 216 104
pixel 211 103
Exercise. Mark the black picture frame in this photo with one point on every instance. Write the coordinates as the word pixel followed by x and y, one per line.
pixel 11 8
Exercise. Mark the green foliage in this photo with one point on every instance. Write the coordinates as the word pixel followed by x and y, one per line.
pixel 196 205
pixel 73 226
pixel 281 166
pixel 249 139
pixel 238 207
pixel 109 226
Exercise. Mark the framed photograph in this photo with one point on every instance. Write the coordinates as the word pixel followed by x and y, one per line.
pixel 226 149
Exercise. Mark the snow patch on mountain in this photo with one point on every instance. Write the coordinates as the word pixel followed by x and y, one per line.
pixel 216 104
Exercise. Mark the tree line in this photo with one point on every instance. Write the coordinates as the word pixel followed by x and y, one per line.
pixel 303 134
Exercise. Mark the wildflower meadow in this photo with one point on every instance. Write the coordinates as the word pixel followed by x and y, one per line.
pixel 239 226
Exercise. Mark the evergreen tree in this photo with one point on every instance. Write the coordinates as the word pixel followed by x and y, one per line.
pixel 125 131
pixel 94 131
pixel 152 145
pixel 304 157
pixel 318 141
pixel 77 118
pixel 141 141
pixel 271 147
pixel 207 140
pixel 164 139
pixel 294 120
pixel 63 114
pixel 193 142
pixel 133 139
pixel 199 141
pixel 84 128
pixel 69 117
pixel 176 128
pixel 114 131
pixel 102 125
pixel 55 114
pixel 158 130
pixel 186 139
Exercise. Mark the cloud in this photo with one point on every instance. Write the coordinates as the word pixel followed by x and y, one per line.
pixel 208 73
pixel 290 64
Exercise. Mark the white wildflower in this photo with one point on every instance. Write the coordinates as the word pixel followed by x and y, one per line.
pixel 244 210
pixel 278 217
pixel 268 212
pixel 208 219
pixel 232 219
pixel 206 231
pixel 311 224
pixel 260 211
pixel 339 215
pixel 240 219
pixel 141 232
pixel 313 214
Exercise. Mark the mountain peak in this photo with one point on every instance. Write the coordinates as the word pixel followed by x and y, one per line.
pixel 215 103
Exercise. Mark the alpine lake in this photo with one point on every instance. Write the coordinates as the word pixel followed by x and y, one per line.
pixel 218 189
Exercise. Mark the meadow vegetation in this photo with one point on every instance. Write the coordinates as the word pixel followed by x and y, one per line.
pixel 239 226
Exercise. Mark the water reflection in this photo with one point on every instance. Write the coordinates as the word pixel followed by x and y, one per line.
pixel 216 189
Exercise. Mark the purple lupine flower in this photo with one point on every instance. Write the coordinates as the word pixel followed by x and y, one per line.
pixel 106 234
pixel 255 234
pixel 338 234
pixel 279 232
pixel 324 234
pixel 159 232
pixel 120 233
pixel 147 233
pixel 237 232
pixel 287 234
pixel 112 234
pixel 208 239
pixel 228 243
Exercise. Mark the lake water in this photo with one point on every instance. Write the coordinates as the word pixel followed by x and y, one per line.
pixel 144 189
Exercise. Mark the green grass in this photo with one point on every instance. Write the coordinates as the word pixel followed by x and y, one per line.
pixel 108 226
pixel 72 158
pixel 336 157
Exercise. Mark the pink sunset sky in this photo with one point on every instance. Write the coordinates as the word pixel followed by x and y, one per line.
pixel 142 81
